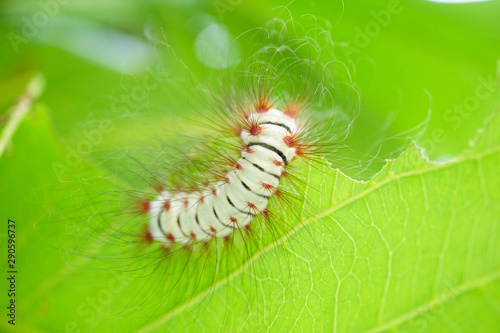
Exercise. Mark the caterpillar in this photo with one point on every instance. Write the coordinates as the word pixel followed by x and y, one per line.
pixel 270 140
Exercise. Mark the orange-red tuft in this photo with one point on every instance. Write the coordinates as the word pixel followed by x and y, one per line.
pixel 144 206
pixel 252 208
pixel 263 105
pixel 255 130
pixel 289 141
pixel 233 219
pixel 277 163
pixel 267 186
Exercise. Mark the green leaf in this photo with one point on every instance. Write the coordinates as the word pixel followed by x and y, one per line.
pixel 414 249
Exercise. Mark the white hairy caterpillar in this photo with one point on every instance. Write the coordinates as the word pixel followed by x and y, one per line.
pixel 268 147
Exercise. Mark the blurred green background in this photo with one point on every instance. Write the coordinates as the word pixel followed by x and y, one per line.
pixel 423 55
pixel 404 58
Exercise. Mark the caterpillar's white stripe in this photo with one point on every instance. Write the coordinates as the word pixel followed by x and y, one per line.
pixel 182 217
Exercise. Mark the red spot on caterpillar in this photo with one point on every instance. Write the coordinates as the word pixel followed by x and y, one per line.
pixel 170 237
pixel 214 192
pixel 230 162
pixel 252 208
pixel 193 236
pixel 227 180
pixel 144 206
pixel 186 203
pixel 289 141
pixel 252 126
pixel 249 150
pixel 233 219
pixel 166 206
pixel 202 199
pixel 255 130
pixel 302 147
pixel 148 236
pixel 277 163
pixel 266 186
pixel 212 229
pixel 266 212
